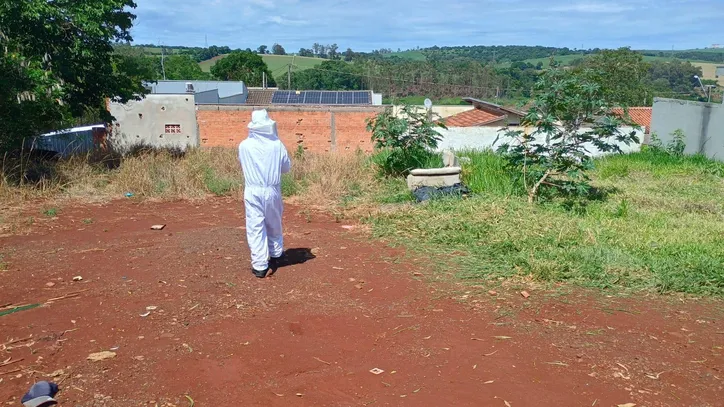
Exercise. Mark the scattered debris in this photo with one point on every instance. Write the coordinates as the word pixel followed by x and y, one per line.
pixel 50 285
pixel 151 308
pixel 191 401
pixel 502 338
pixel 493 293
pixel 358 286
pixel 376 371
pixel 66 296
pixel 348 227
pixel 315 251
pixel 11 371
pixel 489 382
pixel 491 353
pixel 320 360
pixel 557 363
pixel 300 394
pixel 78 278
pixel 627 405
pixel 18 309
pixel 145 314
pixel 525 294
pixel 99 356
pixel 9 361
pixel 139 358
pixel 654 376
pixel 158 227
pixel 417 274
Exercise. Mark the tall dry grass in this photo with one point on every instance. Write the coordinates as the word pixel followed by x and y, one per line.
pixel 316 179
pixel 323 180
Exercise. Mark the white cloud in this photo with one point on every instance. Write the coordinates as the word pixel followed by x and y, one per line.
pixel 269 4
pixel 594 8
pixel 285 21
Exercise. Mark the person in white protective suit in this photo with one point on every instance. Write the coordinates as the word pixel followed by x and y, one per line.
pixel 263 160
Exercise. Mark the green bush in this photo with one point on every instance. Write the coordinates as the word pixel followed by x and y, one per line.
pixel 409 138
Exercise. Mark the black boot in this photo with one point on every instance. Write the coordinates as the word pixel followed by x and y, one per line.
pixel 259 273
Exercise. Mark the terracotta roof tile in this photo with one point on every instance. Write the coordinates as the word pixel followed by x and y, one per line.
pixel 471 118
pixel 639 115
pixel 259 97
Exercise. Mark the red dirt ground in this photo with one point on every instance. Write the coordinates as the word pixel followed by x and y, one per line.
pixel 310 334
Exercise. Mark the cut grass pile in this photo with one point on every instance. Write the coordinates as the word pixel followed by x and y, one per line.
pixel 660 228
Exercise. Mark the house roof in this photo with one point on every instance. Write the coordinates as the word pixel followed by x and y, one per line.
pixel 639 115
pixel 260 97
pixel 224 88
pixel 472 118
pixel 492 107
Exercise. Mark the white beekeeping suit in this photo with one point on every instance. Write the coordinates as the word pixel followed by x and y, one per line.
pixel 263 160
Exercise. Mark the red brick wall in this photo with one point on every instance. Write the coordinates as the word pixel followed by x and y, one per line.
pixel 225 126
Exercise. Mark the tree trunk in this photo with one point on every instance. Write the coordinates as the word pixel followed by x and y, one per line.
pixel 534 191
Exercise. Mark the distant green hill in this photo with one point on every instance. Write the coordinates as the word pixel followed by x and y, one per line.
pixel 277 63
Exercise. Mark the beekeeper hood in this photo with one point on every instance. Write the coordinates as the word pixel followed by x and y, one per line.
pixel 262 127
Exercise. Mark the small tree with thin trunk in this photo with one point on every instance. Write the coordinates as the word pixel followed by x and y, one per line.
pixel 570 118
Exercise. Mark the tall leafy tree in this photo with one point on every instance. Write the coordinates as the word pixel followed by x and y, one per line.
pixel 58 61
pixel 329 75
pixel 263 49
pixel 303 52
pixel 243 66
pixel 333 51
pixel 183 67
pixel 621 75
pixel 278 50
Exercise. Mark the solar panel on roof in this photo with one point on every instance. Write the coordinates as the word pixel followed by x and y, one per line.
pixel 312 97
pixel 345 98
pixel 328 98
pixel 280 96
pixel 361 98
pixel 296 98
pixel 315 97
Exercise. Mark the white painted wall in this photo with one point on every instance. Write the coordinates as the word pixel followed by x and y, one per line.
pixel 702 124
pixel 144 121
pixel 481 138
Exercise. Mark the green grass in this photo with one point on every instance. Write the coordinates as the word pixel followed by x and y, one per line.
pixel 219 185
pixel 277 63
pixel 411 55
pixel 659 229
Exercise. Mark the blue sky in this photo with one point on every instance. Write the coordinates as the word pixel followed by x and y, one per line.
pixel 364 25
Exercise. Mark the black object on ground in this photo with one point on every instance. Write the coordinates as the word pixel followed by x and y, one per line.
pixel 427 193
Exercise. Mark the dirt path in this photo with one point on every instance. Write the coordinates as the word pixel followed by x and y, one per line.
pixel 310 335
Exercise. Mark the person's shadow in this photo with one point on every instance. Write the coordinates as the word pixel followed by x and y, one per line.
pixel 291 257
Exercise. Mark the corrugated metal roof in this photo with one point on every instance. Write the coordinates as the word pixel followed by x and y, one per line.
pixel 225 88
